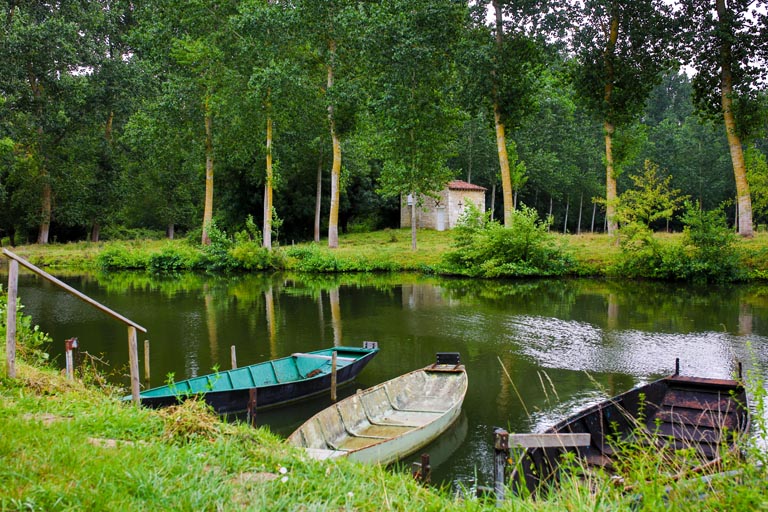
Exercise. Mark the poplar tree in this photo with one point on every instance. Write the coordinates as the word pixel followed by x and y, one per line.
pixel 622 48
pixel 727 45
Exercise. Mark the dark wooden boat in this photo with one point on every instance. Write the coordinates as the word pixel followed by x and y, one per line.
pixel 277 382
pixel 391 420
pixel 704 416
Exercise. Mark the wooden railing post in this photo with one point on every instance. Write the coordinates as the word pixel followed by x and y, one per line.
pixel 10 340
pixel 146 362
pixel 133 360
pixel 10 315
pixel 333 377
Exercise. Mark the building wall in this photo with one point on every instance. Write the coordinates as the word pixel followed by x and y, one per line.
pixel 453 201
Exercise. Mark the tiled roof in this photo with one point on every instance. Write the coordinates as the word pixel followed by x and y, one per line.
pixel 463 185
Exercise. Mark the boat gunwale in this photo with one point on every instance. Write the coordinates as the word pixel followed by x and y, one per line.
pixel 364 353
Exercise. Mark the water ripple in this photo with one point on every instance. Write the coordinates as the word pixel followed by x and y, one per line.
pixel 573 345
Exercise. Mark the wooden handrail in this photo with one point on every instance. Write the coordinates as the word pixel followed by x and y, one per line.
pixel 71 290
pixel 16 260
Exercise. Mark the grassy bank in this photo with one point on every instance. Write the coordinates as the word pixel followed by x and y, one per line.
pixel 74 445
pixel 70 446
pixel 388 250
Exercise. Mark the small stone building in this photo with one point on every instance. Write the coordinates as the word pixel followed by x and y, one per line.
pixel 444 213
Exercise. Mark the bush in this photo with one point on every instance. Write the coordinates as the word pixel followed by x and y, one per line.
pixel 487 249
pixel 174 258
pixel 250 255
pixel 122 257
pixel 216 256
pixel 123 233
pixel 313 259
pixel 707 253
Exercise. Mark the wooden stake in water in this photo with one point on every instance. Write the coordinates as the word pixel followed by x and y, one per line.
pixel 146 361
pixel 333 377
pixel 500 456
pixel 233 356
pixel 252 407
pixel 10 315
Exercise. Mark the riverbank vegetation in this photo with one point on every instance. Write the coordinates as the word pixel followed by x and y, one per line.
pixel 74 445
pixel 705 252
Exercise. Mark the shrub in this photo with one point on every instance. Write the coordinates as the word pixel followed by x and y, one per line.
pixel 707 253
pixel 122 257
pixel 250 255
pixel 174 258
pixel 313 259
pixel 216 256
pixel 487 249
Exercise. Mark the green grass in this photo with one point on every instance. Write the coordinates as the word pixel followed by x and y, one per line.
pixel 70 446
pixel 386 250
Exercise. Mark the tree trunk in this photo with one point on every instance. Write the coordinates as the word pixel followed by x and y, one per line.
pixel 581 206
pixel 471 147
pixel 45 212
pixel 608 127
pixel 501 139
pixel 267 227
pixel 594 213
pixel 567 206
pixel 333 217
pixel 493 200
pixel 549 215
pixel 610 180
pixel 743 199
pixel 319 196
pixel 170 231
pixel 208 207
pixel 413 223
pixel 95 231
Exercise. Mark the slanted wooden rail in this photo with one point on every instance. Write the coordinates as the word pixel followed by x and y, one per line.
pixel 10 338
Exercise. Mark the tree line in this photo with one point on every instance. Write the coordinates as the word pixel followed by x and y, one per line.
pixel 121 118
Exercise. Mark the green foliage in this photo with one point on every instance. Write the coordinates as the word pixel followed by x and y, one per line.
pixel 650 200
pixel 486 249
pixel 31 342
pixel 122 257
pixel 757 177
pixel 250 255
pixel 313 259
pixel 711 242
pixel 174 258
pixel 217 257
pixel 707 252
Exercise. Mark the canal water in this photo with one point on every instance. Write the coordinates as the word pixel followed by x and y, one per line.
pixel 535 351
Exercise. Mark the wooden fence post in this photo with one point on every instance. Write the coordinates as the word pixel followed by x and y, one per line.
pixel 69 346
pixel 10 315
pixel 146 361
pixel 133 360
pixel 333 377
pixel 500 456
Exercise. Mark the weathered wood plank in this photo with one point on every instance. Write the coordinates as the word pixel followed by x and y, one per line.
pixel 549 440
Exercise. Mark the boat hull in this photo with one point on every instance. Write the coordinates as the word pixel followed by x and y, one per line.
pixel 387 422
pixel 707 416
pixel 236 400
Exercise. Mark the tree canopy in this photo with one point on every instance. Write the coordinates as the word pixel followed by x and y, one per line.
pixel 116 116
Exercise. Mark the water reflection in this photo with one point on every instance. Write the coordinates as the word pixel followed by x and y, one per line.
pixel 534 350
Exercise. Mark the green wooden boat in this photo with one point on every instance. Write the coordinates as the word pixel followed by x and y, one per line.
pixel 277 382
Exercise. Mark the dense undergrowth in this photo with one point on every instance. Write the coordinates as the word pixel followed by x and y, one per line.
pixel 74 445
